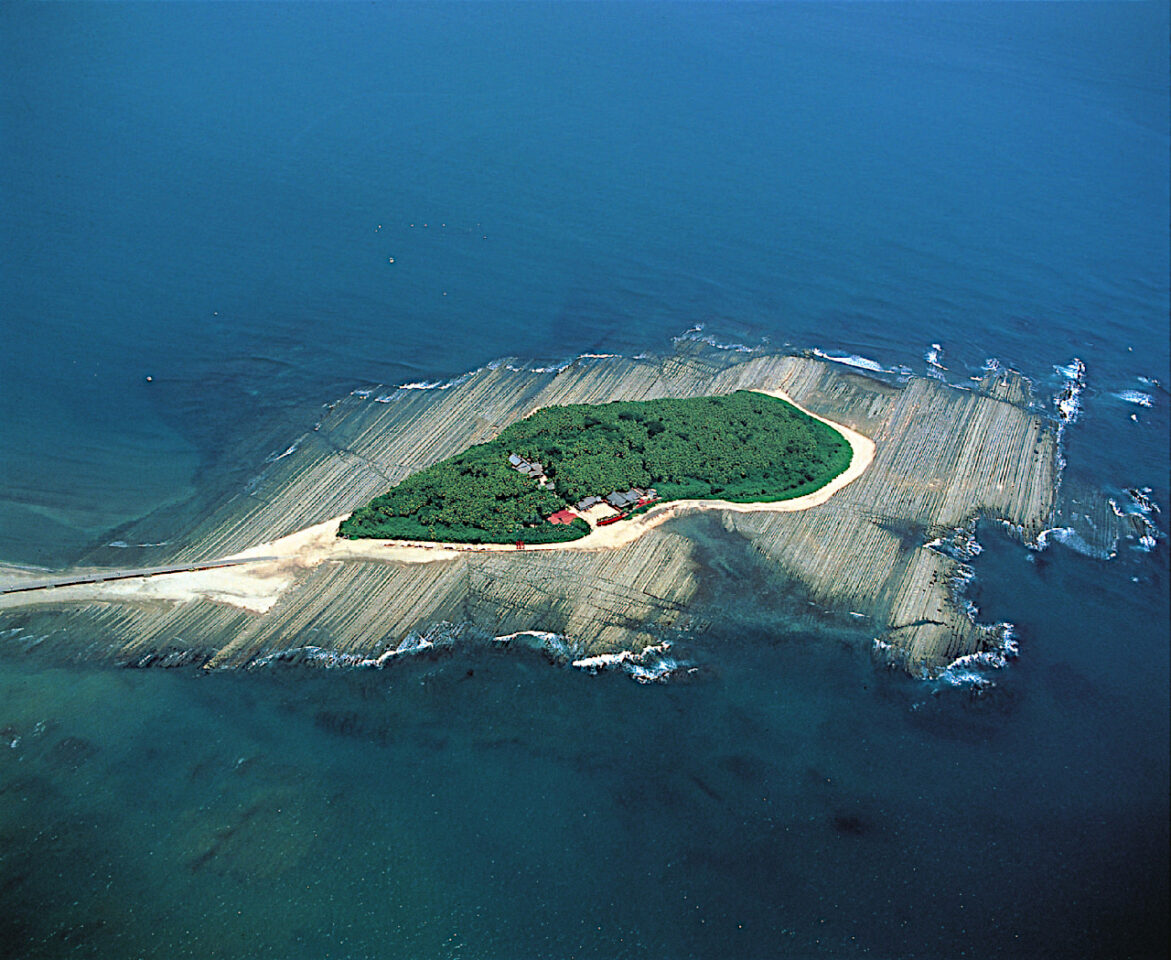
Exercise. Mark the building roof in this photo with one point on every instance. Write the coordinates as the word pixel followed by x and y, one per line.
pixel 515 460
pixel 562 517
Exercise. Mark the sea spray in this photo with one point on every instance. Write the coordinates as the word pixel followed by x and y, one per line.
pixel 1068 400
pixel 862 363
pixel 652 664
pixel 932 357
pixel 1137 397
pixel 696 335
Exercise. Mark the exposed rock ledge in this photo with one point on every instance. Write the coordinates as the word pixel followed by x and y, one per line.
pixel 943 456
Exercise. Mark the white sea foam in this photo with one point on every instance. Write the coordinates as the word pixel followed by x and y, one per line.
pixel 1141 498
pixel 932 356
pixel 441 635
pixel 959 543
pixel 368 394
pixel 337 659
pixel 696 335
pixel 851 360
pixel 1075 541
pixel 273 458
pixel 653 664
pixel 1136 397
pixel 973 669
pixel 1068 400
pixel 737 347
pixel 1069 406
pixel 543 641
pixel 860 363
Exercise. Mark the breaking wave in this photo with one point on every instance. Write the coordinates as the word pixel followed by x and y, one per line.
pixel 1136 397
pixel 442 635
pixel 274 457
pixel 653 664
pixel 860 363
pixel 932 357
pixel 696 335
pixel 973 671
pixel 1075 541
pixel 1068 401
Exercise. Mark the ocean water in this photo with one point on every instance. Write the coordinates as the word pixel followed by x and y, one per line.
pixel 262 207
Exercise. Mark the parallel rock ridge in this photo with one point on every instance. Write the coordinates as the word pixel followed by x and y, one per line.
pixel 945 456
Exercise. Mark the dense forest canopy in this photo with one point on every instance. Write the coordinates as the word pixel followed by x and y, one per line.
pixel 746 447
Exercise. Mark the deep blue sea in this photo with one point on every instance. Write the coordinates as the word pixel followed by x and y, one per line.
pixel 261 207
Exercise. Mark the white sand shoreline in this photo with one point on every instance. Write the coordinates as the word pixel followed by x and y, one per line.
pixel 257 586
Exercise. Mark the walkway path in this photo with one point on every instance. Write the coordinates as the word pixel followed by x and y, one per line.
pixel 132 573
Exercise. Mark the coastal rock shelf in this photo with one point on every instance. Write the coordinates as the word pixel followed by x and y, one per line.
pixel 945 456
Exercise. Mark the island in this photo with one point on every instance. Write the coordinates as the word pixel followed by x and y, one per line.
pixel 878 553
pixel 563 470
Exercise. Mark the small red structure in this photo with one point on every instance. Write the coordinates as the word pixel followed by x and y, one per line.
pixel 564 517
pixel 606 521
pixel 520 544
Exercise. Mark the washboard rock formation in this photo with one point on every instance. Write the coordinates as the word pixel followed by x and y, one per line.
pixel 890 544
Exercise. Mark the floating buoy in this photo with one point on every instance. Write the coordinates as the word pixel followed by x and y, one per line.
pixel 149 379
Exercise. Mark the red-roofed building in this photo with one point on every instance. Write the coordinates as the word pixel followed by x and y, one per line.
pixel 564 517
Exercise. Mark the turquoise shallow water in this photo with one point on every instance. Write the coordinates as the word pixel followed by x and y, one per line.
pixel 210 195
pixel 792 801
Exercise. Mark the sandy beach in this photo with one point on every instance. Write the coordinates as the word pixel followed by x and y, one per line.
pixel 257 586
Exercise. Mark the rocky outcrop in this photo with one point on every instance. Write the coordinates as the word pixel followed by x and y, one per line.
pixel 944 456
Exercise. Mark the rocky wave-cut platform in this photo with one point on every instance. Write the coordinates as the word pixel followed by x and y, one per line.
pixel 944 456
